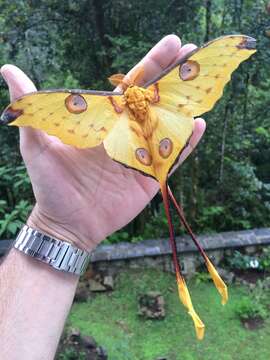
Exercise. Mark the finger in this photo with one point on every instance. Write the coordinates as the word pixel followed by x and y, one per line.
pixel 199 129
pixel 158 58
pixel 19 84
pixel 185 50
pixel 166 52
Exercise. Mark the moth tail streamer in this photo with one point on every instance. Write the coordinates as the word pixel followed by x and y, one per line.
pixel 219 283
pixel 183 292
pixel 186 300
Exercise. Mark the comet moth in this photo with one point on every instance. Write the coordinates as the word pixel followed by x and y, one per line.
pixel 144 128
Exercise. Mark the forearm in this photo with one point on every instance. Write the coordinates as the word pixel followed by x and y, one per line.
pixel 34 303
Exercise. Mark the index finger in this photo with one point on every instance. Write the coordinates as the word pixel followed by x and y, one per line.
pixel 167 51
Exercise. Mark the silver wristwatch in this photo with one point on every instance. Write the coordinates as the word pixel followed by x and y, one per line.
pixel 57 253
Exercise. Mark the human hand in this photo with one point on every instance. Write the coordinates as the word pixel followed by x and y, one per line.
pixel 82 195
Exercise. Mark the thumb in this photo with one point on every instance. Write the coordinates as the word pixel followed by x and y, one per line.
pixel 19 84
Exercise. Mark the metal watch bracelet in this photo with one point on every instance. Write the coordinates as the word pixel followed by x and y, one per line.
pixel 59 254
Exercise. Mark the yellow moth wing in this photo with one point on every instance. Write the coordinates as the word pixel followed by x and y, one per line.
pixel 125 142
pixel 81 120
pixel 152 147
pixel 169 138
pixel 214 63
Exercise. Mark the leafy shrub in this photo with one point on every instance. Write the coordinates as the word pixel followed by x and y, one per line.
pixel 16 198
pixel 265 259
pixel 202 277
pixel 117 237
pixel 256 302
pixel 71 354
pixel 12 221
pixel 247 308
pixel 242 262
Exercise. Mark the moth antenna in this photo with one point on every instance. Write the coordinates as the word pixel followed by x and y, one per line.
pixel 181 284
pixel 124 81
pixel 219 283
pixel 119 80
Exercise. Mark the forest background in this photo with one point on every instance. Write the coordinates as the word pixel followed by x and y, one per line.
pixel 225 183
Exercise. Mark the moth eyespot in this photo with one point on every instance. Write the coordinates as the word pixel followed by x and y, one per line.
pixel 165 148
pixel 189 70
pixel 75 104
pixel 143 156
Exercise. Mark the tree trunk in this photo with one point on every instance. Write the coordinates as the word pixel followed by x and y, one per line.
pixel 207 20
pixel 99 14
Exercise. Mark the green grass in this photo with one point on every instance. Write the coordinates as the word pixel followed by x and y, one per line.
pixel 113 321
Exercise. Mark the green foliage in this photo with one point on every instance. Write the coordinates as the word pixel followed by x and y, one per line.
pixel 225 184
pixel 256 303
pixel 117 237
pixel 209 217
pixel 12 221
pixel 122 236
pixel 114 323
pixel 125 51
pixel 247 309
pixel 243 262
pixel 63 80
pixel 16 199
pixel 71 354
pixel 263 132
pixel 202 277
pixel 264 259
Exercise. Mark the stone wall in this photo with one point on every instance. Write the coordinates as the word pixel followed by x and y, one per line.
pixel 157 253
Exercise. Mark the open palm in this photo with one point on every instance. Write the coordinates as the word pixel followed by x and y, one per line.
pixel 82 195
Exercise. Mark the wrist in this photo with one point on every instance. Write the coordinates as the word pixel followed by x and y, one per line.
pixel 35 302
pixel 45 224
